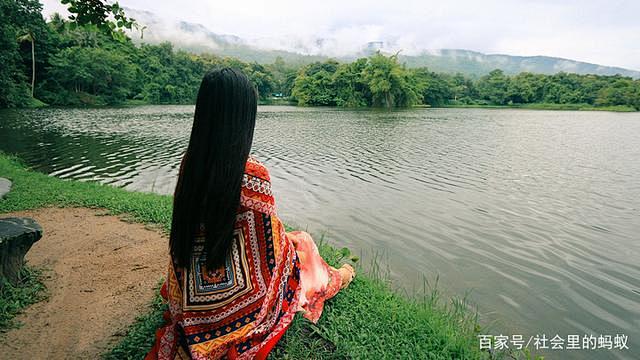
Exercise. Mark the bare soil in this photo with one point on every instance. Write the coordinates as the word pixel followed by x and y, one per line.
pixel 101 273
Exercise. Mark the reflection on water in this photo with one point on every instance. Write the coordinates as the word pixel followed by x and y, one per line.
pixel 537 212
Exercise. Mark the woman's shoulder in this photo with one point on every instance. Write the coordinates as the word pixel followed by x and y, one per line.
pixel 256 188
pixel 256 168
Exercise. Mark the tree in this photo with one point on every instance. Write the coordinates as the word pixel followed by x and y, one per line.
pixel 96 13
pixel 463 89
pixel 621 92
pixel 388 82
pixel 525 88
pixel 29 37
pixel 493 87
pixel 20 20
pixel 261 78
pixel 11 79
pixel 380 74
pixel 283 76
pixel 435 89
pixel 315 85
pixel 90 76
pixel 351 89
pixel 80 61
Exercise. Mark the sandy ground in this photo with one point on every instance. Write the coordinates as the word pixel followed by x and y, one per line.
pixel 101 273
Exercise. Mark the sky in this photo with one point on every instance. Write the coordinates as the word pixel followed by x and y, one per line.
pixel 595 31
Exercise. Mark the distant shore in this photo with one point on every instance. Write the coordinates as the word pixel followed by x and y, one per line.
pixel 286 102
pixel 543 106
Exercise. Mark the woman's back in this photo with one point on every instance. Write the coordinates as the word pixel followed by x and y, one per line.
pixel 237 308
pixel 235 279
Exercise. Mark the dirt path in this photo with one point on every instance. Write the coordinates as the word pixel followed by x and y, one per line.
pixel 102 272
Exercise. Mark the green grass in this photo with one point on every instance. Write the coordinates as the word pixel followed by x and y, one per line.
pixel 367 321
pixel 34 103
pixel 135 102
pixel 14 298
pixel 31 190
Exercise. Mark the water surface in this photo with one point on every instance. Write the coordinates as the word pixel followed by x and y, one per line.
pixel 536 212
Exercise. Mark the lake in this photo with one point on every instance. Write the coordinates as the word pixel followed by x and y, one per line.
pixel 537 213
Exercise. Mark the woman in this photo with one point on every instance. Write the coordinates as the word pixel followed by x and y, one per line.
pixel 235 279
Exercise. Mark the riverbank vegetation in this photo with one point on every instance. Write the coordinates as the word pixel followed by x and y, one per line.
pixel 67 63
pixel 367 321
pixel 381 81
pixel 15 297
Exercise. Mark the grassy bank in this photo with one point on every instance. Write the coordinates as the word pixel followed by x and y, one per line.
pixel 546 106
pixel 14 298
pixel 367 321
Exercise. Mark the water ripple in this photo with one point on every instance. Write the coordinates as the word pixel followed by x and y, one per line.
pixel 537 211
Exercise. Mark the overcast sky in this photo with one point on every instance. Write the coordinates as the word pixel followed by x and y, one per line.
pixel 596 31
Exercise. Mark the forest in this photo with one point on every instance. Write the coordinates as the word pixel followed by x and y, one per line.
pixel 60 62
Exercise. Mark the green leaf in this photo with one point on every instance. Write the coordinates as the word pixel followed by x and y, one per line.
pixel 345 252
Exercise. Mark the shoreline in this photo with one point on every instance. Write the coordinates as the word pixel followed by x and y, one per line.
pixel 283 102
pixel 368 320
pixel 545 106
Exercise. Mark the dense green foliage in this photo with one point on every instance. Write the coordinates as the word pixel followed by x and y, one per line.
pixel 561 88
pixel 366 321
pixel 79 63
pixel 108 17
pixel 82 62
pixel 20 22
pixel 382 81
pixel 375 81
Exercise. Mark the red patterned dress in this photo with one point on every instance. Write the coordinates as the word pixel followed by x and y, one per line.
pixel 240 310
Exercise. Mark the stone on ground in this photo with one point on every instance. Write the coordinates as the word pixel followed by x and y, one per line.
pixel 5 187
pixel 16 237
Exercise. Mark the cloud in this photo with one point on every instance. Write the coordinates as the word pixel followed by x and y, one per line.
pixel 596 31
pixel 162 29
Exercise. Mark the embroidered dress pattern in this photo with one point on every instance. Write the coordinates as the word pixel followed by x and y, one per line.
pixel 241 309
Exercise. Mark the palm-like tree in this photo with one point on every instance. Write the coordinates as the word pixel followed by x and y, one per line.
pixel 29 37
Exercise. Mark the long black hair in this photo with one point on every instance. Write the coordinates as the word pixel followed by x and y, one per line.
pixel 208 188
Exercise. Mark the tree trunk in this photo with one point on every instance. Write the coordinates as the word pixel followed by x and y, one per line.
pixel 29 36
pixel 33 65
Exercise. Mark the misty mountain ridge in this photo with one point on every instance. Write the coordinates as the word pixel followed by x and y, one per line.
pixel 298 50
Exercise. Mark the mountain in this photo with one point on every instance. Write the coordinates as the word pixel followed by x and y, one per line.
pixel 198 39
pixel 476 63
